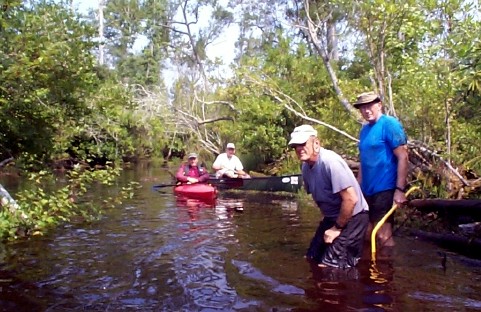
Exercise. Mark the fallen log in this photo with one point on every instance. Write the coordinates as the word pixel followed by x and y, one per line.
pixel 471 207
pixel 446 203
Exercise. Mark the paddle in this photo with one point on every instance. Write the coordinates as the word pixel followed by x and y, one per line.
pixel 218 181
pixel 158 186
pixel 164 185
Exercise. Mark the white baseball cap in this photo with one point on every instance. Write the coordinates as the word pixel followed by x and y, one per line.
pixel 301 134
pixel 230 145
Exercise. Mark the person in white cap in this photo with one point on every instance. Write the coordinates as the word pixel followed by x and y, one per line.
pixel 384 163
pixel 339 238
pixel 191 172
pixel 229 165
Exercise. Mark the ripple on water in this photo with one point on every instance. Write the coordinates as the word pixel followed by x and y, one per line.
pixel 158 254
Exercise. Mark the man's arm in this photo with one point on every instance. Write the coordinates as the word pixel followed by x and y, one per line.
pixel 239 168
pixel 180 176
pixel 349 200
pixel 217 165
pixel 204 177
pixel 401 153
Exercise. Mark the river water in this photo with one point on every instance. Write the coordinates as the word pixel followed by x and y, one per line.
pixel 243 253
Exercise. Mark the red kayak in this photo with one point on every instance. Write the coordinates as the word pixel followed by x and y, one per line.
pixel 197 190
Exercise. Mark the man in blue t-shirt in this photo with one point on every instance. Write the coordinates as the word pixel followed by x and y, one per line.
pixel 384 163
pixel 339 238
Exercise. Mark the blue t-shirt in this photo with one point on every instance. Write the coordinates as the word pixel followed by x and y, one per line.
pixel 326 178
pixel 378 162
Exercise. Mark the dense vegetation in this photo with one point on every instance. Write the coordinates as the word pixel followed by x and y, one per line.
pixel 135 78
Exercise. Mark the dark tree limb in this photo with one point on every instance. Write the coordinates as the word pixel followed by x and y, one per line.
pixel 422 148
pixel 5 162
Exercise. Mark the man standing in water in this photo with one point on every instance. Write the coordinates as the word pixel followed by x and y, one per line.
pixel 384 163
pixel 339 238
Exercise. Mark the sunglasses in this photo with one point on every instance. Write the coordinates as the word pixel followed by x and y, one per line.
pixel 298 145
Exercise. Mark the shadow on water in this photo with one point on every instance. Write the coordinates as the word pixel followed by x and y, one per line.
pixel 242 252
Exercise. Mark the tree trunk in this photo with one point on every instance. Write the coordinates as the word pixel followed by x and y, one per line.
pixel 101 32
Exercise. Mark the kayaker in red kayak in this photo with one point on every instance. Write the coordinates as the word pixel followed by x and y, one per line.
pixel 191 172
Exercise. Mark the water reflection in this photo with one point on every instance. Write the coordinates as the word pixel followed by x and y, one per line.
pixel 244 252
pixel 229 205
pixel 193 206
pixel 224 207
pixel 207 232
pixel 366 287
pixel 378 291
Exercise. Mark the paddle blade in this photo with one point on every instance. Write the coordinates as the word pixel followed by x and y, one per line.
pixel 158 186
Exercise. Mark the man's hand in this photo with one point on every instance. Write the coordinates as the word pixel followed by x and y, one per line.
pixel 192 180
pixel 399 198
pixel 331 234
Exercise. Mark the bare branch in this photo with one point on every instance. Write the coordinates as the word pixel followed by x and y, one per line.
pixel 212 120
pixel 286 101
pixel 312 31
pixel 422 148
pixel 191 119
pixel 230 105
pixel 321 123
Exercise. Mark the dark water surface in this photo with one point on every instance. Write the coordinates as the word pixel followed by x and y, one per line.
pixel 156 253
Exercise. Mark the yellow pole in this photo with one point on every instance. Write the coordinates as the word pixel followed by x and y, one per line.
pixel 381 222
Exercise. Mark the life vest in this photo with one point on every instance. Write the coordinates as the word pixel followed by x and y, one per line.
pixel 187 169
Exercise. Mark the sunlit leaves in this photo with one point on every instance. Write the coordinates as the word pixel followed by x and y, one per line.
pixel 46 72
pixel 47 202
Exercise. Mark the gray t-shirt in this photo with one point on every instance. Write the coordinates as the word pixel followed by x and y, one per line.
pixel 326 178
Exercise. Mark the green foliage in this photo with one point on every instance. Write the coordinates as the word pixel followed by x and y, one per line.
pixel 135 39
pixel 285 76
pixel 46 71
pixel 142 69
pixel 41 209
pixel 123 24
pixel 120 126
pixel 430 50
pixel 52 98
pixel 424 56
pixel 129 23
